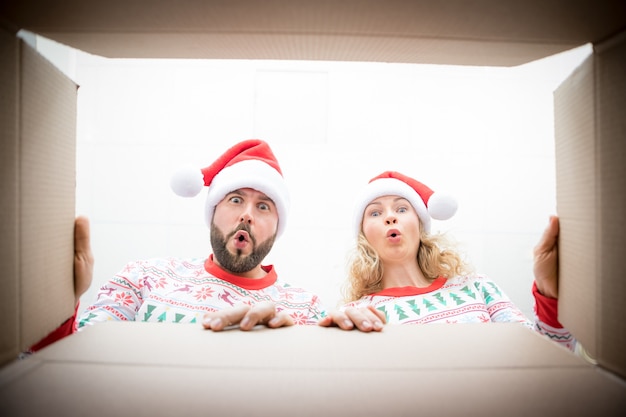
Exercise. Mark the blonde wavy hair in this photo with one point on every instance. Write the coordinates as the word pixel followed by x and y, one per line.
pixel 436 257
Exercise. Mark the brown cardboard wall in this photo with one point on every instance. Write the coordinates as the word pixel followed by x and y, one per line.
pixel 590 151
pixel 39 167
pixel 611 173
pixel 47 195
pixel 477 32
pixel 308 371
pixel 8 203
pixel 575 169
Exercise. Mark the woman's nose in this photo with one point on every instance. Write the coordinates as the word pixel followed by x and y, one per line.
pixel 391 219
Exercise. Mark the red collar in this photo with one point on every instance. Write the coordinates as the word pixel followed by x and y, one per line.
pixel 405 291
pixel 246 283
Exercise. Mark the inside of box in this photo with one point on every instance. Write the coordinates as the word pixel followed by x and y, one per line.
pixel 497 29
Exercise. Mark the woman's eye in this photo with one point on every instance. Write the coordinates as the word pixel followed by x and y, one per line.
pixel 375 214
pixel 402 210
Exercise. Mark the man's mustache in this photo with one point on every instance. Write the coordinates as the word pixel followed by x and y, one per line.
pixel 246 228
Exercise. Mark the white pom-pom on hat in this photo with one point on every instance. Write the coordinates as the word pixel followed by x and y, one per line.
pixel 426 202
pixel 248 164
pixel 442 206
pixel 187 182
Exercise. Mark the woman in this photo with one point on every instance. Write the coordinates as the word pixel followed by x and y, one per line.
pixel 400 273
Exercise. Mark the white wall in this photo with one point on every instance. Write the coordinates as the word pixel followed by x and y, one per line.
pixel 482 134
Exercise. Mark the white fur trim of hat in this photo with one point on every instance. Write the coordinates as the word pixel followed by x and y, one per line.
pixel 248 164
pixel 428 204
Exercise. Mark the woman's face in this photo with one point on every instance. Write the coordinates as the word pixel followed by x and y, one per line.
pixel 391 226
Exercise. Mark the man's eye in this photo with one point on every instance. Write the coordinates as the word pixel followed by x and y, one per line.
pixel 235 200
pixel 264 206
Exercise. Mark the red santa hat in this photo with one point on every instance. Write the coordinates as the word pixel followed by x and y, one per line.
pixel 425 201
pixel 248 164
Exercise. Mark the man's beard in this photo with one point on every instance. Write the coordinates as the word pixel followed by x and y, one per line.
pixel 238 263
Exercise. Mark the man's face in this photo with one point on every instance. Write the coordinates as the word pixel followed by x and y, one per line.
pixel 243 230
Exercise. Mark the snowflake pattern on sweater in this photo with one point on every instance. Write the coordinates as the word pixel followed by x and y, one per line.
pixel 463 299
pixel 182 290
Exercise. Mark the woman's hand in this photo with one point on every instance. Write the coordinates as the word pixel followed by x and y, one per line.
pixel 365 319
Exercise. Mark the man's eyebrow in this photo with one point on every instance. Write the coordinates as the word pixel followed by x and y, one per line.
pixel 264 197
pixel 237 192
pixel 242 193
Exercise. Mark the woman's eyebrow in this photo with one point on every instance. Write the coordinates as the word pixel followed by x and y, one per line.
pixel 377 203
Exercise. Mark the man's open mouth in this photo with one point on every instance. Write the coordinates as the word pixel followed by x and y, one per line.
pixel 242 236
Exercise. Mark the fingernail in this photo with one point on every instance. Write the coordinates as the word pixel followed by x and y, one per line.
pixel 348 324
pixel 244 322
pixel 216 322
pixel 378 325
pixel 366 324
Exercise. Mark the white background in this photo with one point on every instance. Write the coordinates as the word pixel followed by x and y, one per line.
pixel 483 134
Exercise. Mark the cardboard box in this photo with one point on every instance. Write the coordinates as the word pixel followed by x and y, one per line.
pixel 480 32
pixel 38 120
pixel 158 369
pixel 485 32
pixel 590 151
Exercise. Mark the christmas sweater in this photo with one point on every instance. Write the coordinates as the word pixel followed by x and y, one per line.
pixel 463 299
pixel 182 290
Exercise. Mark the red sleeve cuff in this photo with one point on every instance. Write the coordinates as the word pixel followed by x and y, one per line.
pixel 547 308
pixel 67 328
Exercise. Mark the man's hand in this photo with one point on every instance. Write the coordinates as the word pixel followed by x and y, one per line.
pixel 246 317
pixel 83 257
pixel 546 264
pixel 364 319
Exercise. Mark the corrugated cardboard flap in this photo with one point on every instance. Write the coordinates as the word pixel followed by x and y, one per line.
pixel 590 154
pixel 39 175
pixel 480 32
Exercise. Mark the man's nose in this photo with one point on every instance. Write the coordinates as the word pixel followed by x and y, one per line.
pixel 246 216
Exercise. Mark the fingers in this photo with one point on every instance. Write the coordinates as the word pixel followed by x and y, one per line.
pixel 545 262
pixel 218 321
pixel 336 318
pixel 81 235
pixel 379 314
pixel 83 257
pixel 265 313
pixel 246 317
pixel 364 319
pixel 550 236
pixel 281 319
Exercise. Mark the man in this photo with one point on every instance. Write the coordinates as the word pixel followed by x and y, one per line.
pixel 246 210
